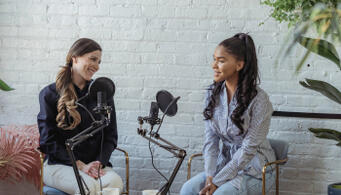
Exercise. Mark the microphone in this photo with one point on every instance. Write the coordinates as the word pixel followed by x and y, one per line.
pixel 166 103
pixel 101 99
pixel 153 113
pixel 101 90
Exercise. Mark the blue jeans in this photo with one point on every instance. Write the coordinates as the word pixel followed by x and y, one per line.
pixel 249 186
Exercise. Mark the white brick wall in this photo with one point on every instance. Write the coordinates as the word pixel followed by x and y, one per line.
pixel 166 44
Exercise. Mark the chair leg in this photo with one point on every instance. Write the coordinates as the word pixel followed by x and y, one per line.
pixel 41 173
pixel 263 181
pixel 127 170
pixel 277 180
pixel 189 164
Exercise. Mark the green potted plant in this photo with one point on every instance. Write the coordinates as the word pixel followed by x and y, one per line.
pixel 324 18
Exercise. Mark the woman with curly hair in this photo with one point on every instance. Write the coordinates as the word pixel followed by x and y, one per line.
pixel 60 119
pixel 237 113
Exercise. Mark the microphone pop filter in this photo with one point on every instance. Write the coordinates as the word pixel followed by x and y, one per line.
pixel 103 84
pixel 164 98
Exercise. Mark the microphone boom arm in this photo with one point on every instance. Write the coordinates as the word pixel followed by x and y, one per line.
pixel 178 152
pixel 79 138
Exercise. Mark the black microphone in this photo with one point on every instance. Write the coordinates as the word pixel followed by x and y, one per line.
pixel 101 99
pixel 153 113
pixel 101 90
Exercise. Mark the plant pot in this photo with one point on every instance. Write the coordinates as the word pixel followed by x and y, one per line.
pixel 334 189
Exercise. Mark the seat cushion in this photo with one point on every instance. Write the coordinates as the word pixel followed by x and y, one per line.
pixel 280 147
pixel 52 191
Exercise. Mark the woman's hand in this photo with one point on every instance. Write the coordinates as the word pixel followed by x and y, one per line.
pixel 209 188
pixel 91 168
pixel 208 180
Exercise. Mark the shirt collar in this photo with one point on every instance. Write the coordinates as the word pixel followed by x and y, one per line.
pixel 82 92
pixel 223 95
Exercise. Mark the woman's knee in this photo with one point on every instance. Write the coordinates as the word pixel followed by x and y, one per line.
pixel 194 185
pixel 226 189
pixel 113 180
pixel 91 186
pixel 188 189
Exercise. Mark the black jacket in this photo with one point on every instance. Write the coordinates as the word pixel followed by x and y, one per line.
pixel 52 139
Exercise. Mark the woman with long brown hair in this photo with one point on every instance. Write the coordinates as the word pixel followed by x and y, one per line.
pixel 60 119
pixel 237 113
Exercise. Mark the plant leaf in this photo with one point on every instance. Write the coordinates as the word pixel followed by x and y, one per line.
pixel 327 134
pixel 4 86
pixel 321 47
pixel 324 88
pixel 320 130
pixel 18 155
pixel 299 66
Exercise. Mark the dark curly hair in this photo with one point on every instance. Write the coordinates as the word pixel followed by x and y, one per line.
pixel 242 47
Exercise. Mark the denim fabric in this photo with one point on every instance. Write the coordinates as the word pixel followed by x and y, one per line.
pixel 249 186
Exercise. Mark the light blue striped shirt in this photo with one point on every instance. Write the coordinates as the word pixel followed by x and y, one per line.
pixel 238 154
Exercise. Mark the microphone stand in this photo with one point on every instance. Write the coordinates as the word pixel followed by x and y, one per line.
pixel 178 152
pixel 84 135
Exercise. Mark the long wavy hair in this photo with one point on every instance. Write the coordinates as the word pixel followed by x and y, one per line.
pixel 242 47
pixel 68 117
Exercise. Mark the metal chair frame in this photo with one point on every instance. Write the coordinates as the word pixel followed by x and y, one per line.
pixel 277 163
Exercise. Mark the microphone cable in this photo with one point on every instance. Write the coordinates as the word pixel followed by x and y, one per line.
pixel 152 156
pixel 100 157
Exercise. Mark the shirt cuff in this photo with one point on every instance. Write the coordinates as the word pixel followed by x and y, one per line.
pixel 210 166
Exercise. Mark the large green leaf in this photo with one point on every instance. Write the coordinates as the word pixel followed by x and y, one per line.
pixel 299 66
pixel 321 47
pixel 327 134
pixel 324 88
pixel 4 86
pixel 337 186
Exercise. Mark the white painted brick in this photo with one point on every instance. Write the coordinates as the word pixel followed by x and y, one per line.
pixel 25 8
pixel 179 3
pixel 208 3
pixel 191 13
pixel 127 2
pixel 140 70
pixel 125 11
pixel 159 35
pixel 7 8
pixel 158 58
pixel 190 59
pixel 63 33
pixel 32 32
pixel 6 19
pixel 149 11
pixel 218 12
pixel 166 12
pixel 124 58
pixel 29 20
pixel 8 31
pixel 8 54
pixel 185 36
pixel 92 10
pixel 236 13
pixel 161 83
pixel 63 9
pixel 188 24
pixel 130 24
pixel 128 35
pixel 95 32
pixel 61 20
